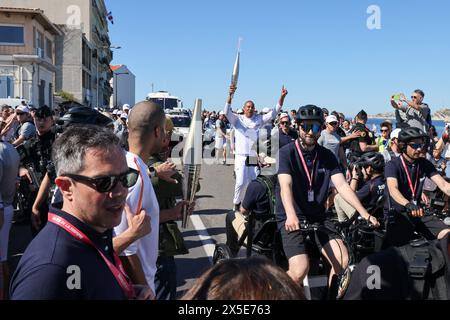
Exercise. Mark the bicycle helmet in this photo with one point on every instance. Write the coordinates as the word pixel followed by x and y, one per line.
pixel 411 133
pixel 310 112
pixel 83 115
pixel 373 159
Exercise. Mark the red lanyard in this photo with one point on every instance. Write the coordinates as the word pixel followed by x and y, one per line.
pixel 118 272
pixel 413 190
pixel 308 175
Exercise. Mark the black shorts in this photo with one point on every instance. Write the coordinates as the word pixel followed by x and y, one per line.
pixel 401 231
pixel 294 242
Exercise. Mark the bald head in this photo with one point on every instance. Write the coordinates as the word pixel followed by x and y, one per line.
pixel 145 117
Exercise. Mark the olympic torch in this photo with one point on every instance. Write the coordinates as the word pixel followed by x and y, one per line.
pixel 192 158
pixel 235 75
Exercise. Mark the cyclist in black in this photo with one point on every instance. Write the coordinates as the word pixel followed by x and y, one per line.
pixel 304 175
pixel 404 176
pixel 370 169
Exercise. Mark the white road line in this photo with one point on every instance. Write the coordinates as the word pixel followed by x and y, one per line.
pixel 204 236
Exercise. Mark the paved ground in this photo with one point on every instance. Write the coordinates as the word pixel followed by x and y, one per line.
pixel 206 228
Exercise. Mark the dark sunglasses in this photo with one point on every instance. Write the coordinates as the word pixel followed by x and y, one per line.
pixel 416 146
pixel 333 124
pixel 384 130
pixel 316 128
pixel 284 122
pixel 414 97
pixel 19 114
pixel 108 183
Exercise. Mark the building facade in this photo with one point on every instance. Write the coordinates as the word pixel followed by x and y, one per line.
pixel 83 51
pixel 27 55
pixel 123 83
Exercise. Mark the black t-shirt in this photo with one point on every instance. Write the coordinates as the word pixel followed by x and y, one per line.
pixel 43 271
pixel 394 169
pixel 287 138
pixel 256 198
pixel 290 163
pixel 369 193
pixel 366 136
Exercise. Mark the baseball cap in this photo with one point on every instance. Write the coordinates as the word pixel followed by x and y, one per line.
pixel 221 113
pixel 22 108
pixel 283 115
pixel 115 111
pixel 126 107
pixel 43 112
pixel 331 119
pixel 265 110
pixel 124 116
pixel 240 111
pixel 394 134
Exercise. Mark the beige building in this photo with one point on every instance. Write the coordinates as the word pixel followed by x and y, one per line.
pixel 83 51
pixel 27 55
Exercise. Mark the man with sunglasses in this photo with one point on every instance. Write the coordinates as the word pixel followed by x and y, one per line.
pixel 415 113
pixel 286 133
pixel 305 172
pixel 247 132
pixel 72 258
pixel 383 141
pixel 330 140
pixel 26 129
pixel 404 176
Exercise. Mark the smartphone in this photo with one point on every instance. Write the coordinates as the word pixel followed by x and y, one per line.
pixel 397 97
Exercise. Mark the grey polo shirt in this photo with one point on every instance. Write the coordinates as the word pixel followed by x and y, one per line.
pixel 415 118
pixel 9 170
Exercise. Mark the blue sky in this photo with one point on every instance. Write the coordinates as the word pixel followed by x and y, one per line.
pixel 321 50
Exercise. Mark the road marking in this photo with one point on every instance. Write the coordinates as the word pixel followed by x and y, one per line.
pixel 204 236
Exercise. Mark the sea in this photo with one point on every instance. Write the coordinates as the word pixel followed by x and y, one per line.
pixel 375 123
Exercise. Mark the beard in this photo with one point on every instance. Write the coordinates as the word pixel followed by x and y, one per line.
pixel 308 141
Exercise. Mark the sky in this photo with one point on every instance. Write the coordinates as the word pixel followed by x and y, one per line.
pixel 322 50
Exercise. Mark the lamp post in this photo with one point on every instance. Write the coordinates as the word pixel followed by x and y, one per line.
pixel 116 88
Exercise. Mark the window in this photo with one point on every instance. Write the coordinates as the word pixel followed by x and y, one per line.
pixel 13 35
pixel 6 86
pixel 49 48
pixel 40 44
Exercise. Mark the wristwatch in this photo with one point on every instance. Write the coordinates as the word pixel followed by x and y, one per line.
pixel 151 172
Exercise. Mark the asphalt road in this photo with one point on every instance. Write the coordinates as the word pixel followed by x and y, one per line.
pixel 205 229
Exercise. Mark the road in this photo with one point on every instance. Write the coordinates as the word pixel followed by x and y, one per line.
pixel 205 229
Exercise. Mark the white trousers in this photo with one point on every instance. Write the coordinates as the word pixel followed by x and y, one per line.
pixel 244 175
pixel 8 212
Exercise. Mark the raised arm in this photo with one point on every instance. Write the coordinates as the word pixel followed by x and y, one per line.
pixel 232 118
pixel 273 113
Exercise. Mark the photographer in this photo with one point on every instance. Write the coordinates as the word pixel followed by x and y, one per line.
pixel 369 169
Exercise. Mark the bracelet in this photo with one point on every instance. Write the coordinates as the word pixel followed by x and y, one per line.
pixel 355 179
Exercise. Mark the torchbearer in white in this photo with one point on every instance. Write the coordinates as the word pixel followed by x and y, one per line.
pixel 192 159
pixel 246 135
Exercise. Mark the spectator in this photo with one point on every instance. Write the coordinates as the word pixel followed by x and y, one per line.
pixel 392 150
pixel 286 133
pixel 72 257
pixel 417 113
pixel 330 140
pixel 383 141
pixel 26 129
pixel 9 169
pixel 256 278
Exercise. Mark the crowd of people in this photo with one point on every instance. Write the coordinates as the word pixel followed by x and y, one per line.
pixel 102 196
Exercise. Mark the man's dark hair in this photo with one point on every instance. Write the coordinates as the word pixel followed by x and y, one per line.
pixel 420 92
pixel 362 115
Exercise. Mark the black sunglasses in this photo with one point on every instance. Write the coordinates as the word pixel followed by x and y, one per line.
pixel 316 128
pixel 384 130
pixel 333 123
pixel 284 122
pixel 108 183
pixel 19 114
pixel 414 97
pixel 416 146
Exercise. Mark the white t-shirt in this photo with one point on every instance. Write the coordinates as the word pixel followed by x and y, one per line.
pixel 146 247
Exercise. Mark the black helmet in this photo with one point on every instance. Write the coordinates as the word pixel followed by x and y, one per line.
pixel 373 159
pixel 411 133
pixel 310 112
pixel 83 115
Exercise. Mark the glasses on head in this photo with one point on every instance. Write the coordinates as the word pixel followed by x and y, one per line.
pixel 333 124
pixel 416 146
pixel 315 127
pixel 107 183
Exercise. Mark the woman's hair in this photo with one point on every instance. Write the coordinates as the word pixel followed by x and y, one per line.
pixel 256 278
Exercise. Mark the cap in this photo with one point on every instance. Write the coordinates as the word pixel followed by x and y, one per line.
pixel 115 111
pixel 331 119
pixel 265 110
pixel 394 134
pixel 124 116
pixel 239 111
pixel 126 107
pixel 283 115
pixel 43 112
pixel 221 113
pixel 22 108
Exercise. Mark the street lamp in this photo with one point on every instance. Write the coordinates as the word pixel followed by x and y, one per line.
pixel 116 89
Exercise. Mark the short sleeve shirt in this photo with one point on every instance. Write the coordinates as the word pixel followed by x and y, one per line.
pixel 369 193
pixel 418 170
pixel 28 130
pixel 256 198
pixel 331 141
pixel 290 163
